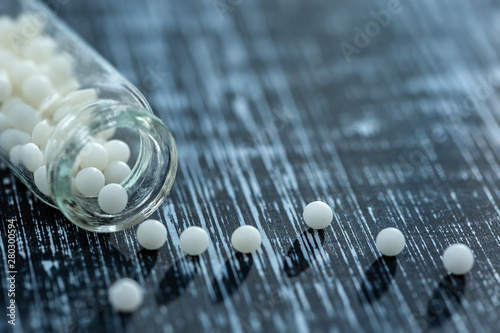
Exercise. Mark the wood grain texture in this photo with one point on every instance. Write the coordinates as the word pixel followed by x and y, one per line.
pixel 268 115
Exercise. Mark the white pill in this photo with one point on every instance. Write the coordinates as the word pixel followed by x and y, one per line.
pixel 107 134
pixel 32 157
pixel 81 97
pixel 94 155
pixel 390 242
pixel 41 133
pixel 113 198
pixel 151 234
pixel 12 137
pixel 24 117
pixel 116 172
pixel 194 241
pixel 318 215
pixel 37 89
pixel 40 177
pixel 5 86
pixel 125 295
pixel 117 150
pixel 40 49
pixel 89 181
pixel 9 103
pixel 4 122
pixel 22 70
pixel 16 154
pixel 246 239
pixel 458 259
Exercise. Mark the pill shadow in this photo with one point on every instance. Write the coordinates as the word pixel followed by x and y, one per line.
pixel 446 298
pixel 177 279
pixel 303 252
pixel 233 274
pixel 377 278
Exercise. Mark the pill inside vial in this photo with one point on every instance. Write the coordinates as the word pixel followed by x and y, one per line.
pixel 116 172
pixel 390 241
pixel 113 198
pixel 94 155
pixel 458 259
pixel 318 215
pixel 151 234
pixel 89 181
pixel 117 150
pixel 125 295
pixel 246 239
pixel 194 241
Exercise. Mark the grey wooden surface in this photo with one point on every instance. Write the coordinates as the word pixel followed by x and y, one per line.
pixel 269 115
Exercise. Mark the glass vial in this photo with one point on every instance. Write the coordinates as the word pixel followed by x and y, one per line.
pixel 60 106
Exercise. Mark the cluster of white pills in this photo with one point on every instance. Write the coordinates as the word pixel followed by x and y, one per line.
pixel 38 88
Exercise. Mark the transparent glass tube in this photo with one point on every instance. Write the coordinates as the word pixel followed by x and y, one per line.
pixel 58 94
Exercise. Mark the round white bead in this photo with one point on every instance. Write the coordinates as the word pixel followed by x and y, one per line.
pixel 37 89
pixel 89 181
pixel 40 177
pixel 246 239
pixel 16 154
pixel 12 137
pixel 5 86
pixel 40 49
pixel 116 172
pixel 194 241
pixel 22 70
pixel 9 103
pixel 94 155
pixel 458 259
pixel 151 234
pixel 125 295
pixel 32 157
pixel 41 133
pixel 113 198
pixel 318 215
pixel 390 242
pixel 24 117
pixel 117 150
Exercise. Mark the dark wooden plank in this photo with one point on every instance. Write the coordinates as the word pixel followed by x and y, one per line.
pixel 268 115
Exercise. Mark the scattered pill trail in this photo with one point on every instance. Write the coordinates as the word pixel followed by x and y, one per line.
pixel 458 259
pixel 125 295
pixel 151 234
pixel 194 241
pixel 318 215
pixel 246 239
pixel 390 242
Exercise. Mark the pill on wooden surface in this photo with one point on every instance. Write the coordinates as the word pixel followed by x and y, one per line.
pixel 246 239
pixel 318 215
pixel 151 234
pixel 12 137
pixel 390 241
pixel 113 198
pixel 116 172
pixel 125 295
pixel 458 259
pixel 94 155
pixel 194 241
pixel 32 156
pixel 37 89
pixel 5 86
pixel 40 177
pixel 23 117
pixel 41 133
pixel 89 181
pixel 117 150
